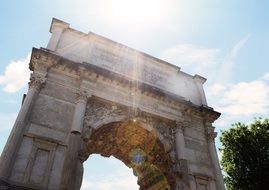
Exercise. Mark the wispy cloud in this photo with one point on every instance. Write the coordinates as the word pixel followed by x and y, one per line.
pixel 265 76
pixel 226 67
pixel 192 58
pixel 16 75
pixel 240 101
pixel 210 62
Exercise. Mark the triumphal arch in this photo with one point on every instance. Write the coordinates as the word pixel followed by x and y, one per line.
pixel 90 95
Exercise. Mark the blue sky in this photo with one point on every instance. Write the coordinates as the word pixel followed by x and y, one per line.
pixel 225 41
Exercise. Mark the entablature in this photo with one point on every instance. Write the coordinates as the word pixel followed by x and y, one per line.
pixel 134 89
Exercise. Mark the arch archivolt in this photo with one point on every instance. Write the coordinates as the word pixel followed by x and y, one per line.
pixel 100 113
pixel 141 141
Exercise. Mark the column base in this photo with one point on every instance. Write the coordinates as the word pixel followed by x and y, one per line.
pixel 182 167
pixel 7 185
pixel 182 171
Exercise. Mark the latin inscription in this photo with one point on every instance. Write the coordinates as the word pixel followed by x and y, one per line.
pixel 126 62
pixel 112 61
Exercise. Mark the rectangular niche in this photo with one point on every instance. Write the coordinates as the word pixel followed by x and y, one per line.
pixel 39 167
pixel 202 183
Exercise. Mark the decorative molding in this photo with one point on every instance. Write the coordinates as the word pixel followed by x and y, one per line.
pixel 202 181
pixel 47 148
pixel 37 81
pixel 43 59
pixel 82 96
pixel 180 125
pixel 93 73
pixel 165 130
pixel 181 167
pixel 210 133
pixel 99 113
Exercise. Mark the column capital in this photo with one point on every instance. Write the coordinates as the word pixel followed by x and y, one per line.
pixel 82 96
pixel 210 133
pixel 180 125
pixel 37 81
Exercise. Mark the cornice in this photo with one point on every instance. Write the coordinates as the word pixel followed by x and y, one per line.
pixel 93 72
pixel 43 58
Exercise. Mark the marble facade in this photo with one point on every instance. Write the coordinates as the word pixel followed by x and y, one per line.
pixel 90 95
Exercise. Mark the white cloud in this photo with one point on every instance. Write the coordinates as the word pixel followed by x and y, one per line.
pixel 240 99
pixel 16 75
pixel 103 173
pixel 239 102
pixel 233 100
pixel 111 182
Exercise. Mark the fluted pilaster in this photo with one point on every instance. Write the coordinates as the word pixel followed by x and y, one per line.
pixel 211 135
pixel 37 81
pixel 73 164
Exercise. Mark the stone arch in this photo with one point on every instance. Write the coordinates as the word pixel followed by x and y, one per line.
pixel 138 147
pixel 100 113
pixel 51 127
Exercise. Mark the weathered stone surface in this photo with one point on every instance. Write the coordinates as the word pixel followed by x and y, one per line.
pixel 22 159
pixel 90 95
pixel 52 90
pixel 57 167
pixel 46 132
pixel 120 139
pixel 94 49
pixel 39 166
pixel 52 113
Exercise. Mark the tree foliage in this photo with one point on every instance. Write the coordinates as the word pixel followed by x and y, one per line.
pixel 245 156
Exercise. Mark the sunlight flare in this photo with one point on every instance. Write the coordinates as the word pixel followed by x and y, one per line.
pixel 149 11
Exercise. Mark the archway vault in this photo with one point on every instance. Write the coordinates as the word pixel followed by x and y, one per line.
pixel 138 148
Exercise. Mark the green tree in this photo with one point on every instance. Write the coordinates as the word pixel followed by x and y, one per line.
pixel 245 156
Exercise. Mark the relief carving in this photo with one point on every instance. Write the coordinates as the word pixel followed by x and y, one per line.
pixel 37 81
pixel 181 124
pixel 98 113
pixel 82 96
pixel 165 129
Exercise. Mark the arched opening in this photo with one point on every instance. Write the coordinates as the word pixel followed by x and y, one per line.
pixel 102 173
pixel 138 148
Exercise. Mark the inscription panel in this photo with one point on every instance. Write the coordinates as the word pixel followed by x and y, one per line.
pixel 116 60
pixel 93 49
pixel 155 76
pixel 131 64
pixel 195 145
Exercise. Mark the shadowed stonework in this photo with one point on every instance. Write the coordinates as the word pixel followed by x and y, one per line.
pixel 90 95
